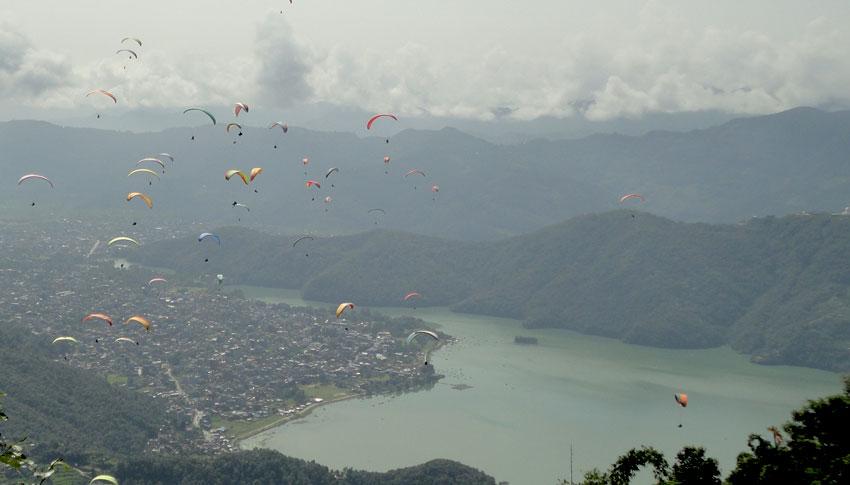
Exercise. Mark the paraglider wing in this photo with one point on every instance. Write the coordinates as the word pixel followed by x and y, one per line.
pixel 147 200
pixel 202 111
pixel 125 39
pixel 435 188
pixel 157 280
pixel 630 197
pixel 65 339
pixel 103 92
pixel 124 339
pixel 231 125
pixel 132 53
pixel 167 155
pixel 254 172
pixel 412 294
pixel 311 183
pixel 415 172
pixel 143 170
pixel 283 126
pixel 238 107
pixel 104 478
pixel 122 238
pixel 301 239
pixel 98 316
pixel 416 333
pixel 328 199
pixel 242 205
pixel 681 399
pixel 141 321
pixel 230 173
pixel 333 170
pixel 206 235
pixel 343 307
pixel 31 176
pixel 382 211
pixel 380 115
pixel 151 160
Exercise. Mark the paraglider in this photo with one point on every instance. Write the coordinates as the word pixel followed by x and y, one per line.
pixel 283 126
pixel 167 155
pixel 328 200
pixel 98 316
pixel 630 197
pixel 237 204
pixel 435 189
pixel 143 170
pixel 301 239
pixel 333 170
pixel 207 235
pixel 427 333
pixel 122 239
pixel 65 339
pixel 386 164
pixel 125 339
pixel 380 115
pixel 239 107
pixel 104 478
pixel 140 320
pixel 305 161
pixel 125 39
pixel 412 294
pixel 417 333
pixel 152 160
pixel 157 280
pixel 313 183
pixel 682 401
pixel 103 92
pixel 202 111
pixel 133 54
pixel 254 172
pixel 219 278
pixel 230 173
pixel 414 172
pixel 147 200
pixel 376 211
pixel 33 176
pixel 231 125
pixel 343 307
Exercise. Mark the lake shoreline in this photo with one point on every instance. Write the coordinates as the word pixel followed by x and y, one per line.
pixel 293 417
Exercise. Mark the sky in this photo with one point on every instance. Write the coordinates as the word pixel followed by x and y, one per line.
pixel 464 59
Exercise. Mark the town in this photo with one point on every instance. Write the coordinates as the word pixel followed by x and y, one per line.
pixel 226 366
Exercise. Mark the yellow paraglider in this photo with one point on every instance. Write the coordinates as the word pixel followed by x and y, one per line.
pixel 65 339
pixel 230 173
pixel 143 170
pixel 145 198
pixel 343 307
pixel 104 478
pixel 118 239
pixel 141 321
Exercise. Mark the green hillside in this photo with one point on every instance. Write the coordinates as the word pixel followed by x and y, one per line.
pixel 775 288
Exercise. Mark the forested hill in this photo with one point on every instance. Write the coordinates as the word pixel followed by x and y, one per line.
pixel 776 164
pixel 68 412
pixel 775 288
pixel 265 466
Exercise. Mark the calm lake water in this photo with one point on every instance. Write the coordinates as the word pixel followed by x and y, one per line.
pixel 529 404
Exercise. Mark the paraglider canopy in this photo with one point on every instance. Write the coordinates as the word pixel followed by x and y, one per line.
pixel 380 115
pixel 205 235
pixel 31 176
pixel 630 197
pixel 681 399
pixel 343 307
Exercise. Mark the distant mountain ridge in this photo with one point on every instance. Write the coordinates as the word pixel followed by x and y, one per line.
pixel 775 288
pixel 776 164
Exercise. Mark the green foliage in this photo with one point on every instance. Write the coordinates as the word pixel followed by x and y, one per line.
pixel 817 451
pixel 265 466
pixel 778 289
pixel 70 412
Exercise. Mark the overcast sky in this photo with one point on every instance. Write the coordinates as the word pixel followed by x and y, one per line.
pixel 601 59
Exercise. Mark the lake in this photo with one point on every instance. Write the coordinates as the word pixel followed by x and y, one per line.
pixel 528 404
